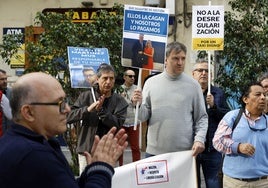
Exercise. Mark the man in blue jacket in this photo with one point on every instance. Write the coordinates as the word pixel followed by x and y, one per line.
pixel 31 157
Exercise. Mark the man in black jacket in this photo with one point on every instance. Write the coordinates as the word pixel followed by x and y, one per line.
pixel 98 109
pixel 215 101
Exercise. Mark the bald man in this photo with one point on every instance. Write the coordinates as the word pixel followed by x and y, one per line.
pixel 31 157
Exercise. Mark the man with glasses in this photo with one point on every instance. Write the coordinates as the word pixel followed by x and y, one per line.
pixel 90 77
pixel 133 135
pixel 98 111
pixel 31 157
pixel 216 107
pixel 245 148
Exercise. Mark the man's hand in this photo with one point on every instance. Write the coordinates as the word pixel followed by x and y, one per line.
pixel 136 97
pixel 246 149
pixel 197 148
pixel 96 105
pixel 210 100
pixel 109 148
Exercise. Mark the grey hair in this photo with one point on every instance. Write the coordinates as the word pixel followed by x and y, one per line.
pixel 104 67
pixel 199 61
pixel 20 95
pixel 263 77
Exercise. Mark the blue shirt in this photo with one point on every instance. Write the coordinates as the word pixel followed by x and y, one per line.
pixel 238 165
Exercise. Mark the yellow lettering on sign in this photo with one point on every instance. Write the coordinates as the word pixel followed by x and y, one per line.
pixel 112 13
pixel 76 16
pixel 93 14
pixel 84 15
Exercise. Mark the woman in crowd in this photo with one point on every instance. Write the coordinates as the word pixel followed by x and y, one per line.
pixel 149 51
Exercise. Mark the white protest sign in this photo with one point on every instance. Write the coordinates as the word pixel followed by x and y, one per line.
pixel 172 170
pixel 208 28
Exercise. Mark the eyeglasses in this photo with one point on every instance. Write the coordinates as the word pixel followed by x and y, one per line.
pixel 201 70
pixel 257 129
pixel 62 104
pixel 88 75
pixel 131 76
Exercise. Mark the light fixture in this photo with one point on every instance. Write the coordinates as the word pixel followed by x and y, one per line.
pixel 87 4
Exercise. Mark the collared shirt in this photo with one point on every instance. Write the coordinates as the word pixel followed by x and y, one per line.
pixel 238 165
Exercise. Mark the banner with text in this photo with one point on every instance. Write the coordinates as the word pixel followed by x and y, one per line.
pixel 83 64
pixel 208 28
pixel 173 170
pixel 145 34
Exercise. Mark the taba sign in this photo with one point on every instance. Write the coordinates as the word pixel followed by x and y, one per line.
pixel 80 15
pixel 208 27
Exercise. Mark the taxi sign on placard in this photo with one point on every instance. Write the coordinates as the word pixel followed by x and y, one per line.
pixel 208 28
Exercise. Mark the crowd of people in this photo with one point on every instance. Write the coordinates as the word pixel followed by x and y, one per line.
pixel 187 113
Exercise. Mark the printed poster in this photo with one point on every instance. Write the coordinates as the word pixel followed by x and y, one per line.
pixel 145 33
pixel 84 63
pixel 208 28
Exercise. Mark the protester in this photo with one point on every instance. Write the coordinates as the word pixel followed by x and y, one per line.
pixel 216 106
pixel 6 91
pixel 173 103
pixel 245 163
pixel 138 58
pixel 3 83
pixel 31 157
pixel 264 82
pixel 90 77
pixel 133 134
pixel 97 117
pixel 149 51
pixel 5 111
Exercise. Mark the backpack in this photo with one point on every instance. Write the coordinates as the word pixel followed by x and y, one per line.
pixel 220 173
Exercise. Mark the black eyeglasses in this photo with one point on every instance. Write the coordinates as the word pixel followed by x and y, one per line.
pixel 88 75
pixel 257 129
pixel 131 76
pixel 201 70
pixel 62 104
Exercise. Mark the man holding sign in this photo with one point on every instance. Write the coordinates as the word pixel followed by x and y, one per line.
pixel 98 110
pixel 173 103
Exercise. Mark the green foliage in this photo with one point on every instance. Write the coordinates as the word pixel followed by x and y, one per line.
pixel 11 45
pixel 49 52
pixel 245 51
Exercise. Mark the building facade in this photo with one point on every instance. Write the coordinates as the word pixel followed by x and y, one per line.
pixel 18 14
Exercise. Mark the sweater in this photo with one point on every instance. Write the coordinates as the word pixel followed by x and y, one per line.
pixel 176 112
